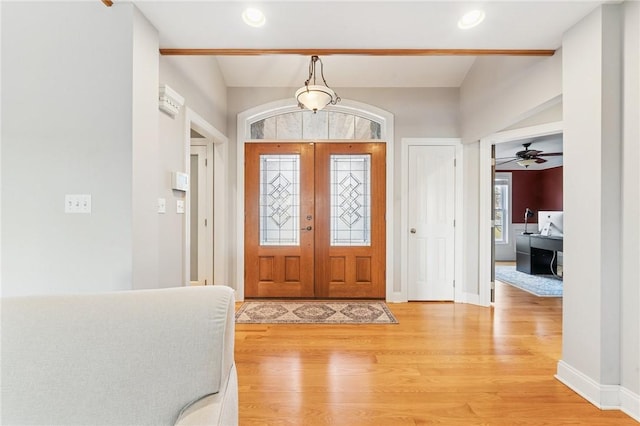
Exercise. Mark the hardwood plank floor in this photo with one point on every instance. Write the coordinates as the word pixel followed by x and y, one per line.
pixel 445 364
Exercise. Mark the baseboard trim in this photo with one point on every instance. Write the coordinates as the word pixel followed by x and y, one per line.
pixel 395 297
pixel 605 397
pixel 630 403
pixel 471 298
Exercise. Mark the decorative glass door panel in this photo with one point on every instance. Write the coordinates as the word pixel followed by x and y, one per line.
pixel 279 220
pixel 280 200
pixel 350 200
pixel 314 220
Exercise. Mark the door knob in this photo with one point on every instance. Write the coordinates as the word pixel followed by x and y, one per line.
pixel 413 230
pixel 308 228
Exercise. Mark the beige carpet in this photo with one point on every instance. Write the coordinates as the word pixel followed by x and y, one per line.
pixel 314 312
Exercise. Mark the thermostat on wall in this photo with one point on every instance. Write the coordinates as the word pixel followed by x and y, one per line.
pixel 180 181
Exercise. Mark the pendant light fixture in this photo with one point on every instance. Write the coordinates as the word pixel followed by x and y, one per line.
pixel 316 96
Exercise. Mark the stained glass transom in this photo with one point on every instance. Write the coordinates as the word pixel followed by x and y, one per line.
pixel 350 200
pixel 305 125
pixel 280 200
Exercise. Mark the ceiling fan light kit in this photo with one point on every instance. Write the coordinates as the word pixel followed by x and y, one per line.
pixel 314 96
pixel 526 163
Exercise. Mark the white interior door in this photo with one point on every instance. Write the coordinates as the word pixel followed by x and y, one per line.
pixel 431 215
pixel 200 259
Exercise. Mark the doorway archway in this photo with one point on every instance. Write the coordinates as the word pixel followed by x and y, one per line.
pixel 383 122
pixel 486 184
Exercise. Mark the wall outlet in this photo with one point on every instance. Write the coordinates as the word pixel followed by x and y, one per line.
pixel 77 203
pixel 180 206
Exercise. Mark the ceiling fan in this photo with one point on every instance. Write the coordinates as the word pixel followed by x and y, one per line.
pixel 527 157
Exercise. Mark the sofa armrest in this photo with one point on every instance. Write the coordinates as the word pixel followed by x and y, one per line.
pixel 131 357
pixel 217 409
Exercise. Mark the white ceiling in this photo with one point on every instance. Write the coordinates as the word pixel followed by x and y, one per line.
pixel 346 71
pixel 332 24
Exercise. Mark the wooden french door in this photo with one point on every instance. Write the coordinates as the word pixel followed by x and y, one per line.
pixel 315 220
pixel 279 220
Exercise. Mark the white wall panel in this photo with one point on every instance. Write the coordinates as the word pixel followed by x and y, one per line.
pixel 66 129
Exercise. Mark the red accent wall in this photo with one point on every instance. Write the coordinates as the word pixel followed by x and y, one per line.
pixel 536 189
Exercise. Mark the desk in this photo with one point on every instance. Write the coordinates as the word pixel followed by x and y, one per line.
pixel 535 253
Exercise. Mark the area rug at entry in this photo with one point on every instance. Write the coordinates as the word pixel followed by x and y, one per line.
pixel 314 312
pixel 539 285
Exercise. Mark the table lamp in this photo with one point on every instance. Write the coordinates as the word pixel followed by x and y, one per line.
pixel 528 213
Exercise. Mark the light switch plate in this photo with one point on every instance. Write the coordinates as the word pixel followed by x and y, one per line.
pixel 77 203
pixel 162 205
pixel 180 206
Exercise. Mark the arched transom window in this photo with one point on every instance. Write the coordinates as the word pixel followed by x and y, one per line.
pixel 305 125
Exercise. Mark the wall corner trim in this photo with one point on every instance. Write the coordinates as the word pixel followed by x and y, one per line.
pixel 605 397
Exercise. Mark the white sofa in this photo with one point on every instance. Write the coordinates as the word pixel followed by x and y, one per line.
pixel 148 357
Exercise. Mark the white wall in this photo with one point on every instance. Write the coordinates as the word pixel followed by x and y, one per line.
pixel 208 98
pixel 81 117
pixel 145 153
pixel 600 356
pixel 550 115
pixel 630 309
pixel 67 129
pixel 591 147
pixel 500 91
pixel 200 81
pixel 171 152
pixel 80 108
pixel 417 113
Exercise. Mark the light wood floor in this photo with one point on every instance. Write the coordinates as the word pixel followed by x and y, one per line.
pixel 445 364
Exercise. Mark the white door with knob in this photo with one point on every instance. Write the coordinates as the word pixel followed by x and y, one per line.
pixel 431 223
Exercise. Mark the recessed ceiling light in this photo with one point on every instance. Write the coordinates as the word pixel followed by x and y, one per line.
pixel 471 19
pixel 253 17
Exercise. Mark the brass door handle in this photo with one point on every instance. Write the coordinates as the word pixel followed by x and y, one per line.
pixel 308 228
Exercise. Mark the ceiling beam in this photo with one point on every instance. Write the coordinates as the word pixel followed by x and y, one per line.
pixel 368 52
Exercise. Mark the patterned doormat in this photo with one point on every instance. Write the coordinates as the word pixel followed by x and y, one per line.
pixel 314 312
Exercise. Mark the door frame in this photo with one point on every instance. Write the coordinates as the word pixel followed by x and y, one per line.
pixel 459 295
pixel 486 185
pixel 218 147
pixel 205 206
pixel 243 136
